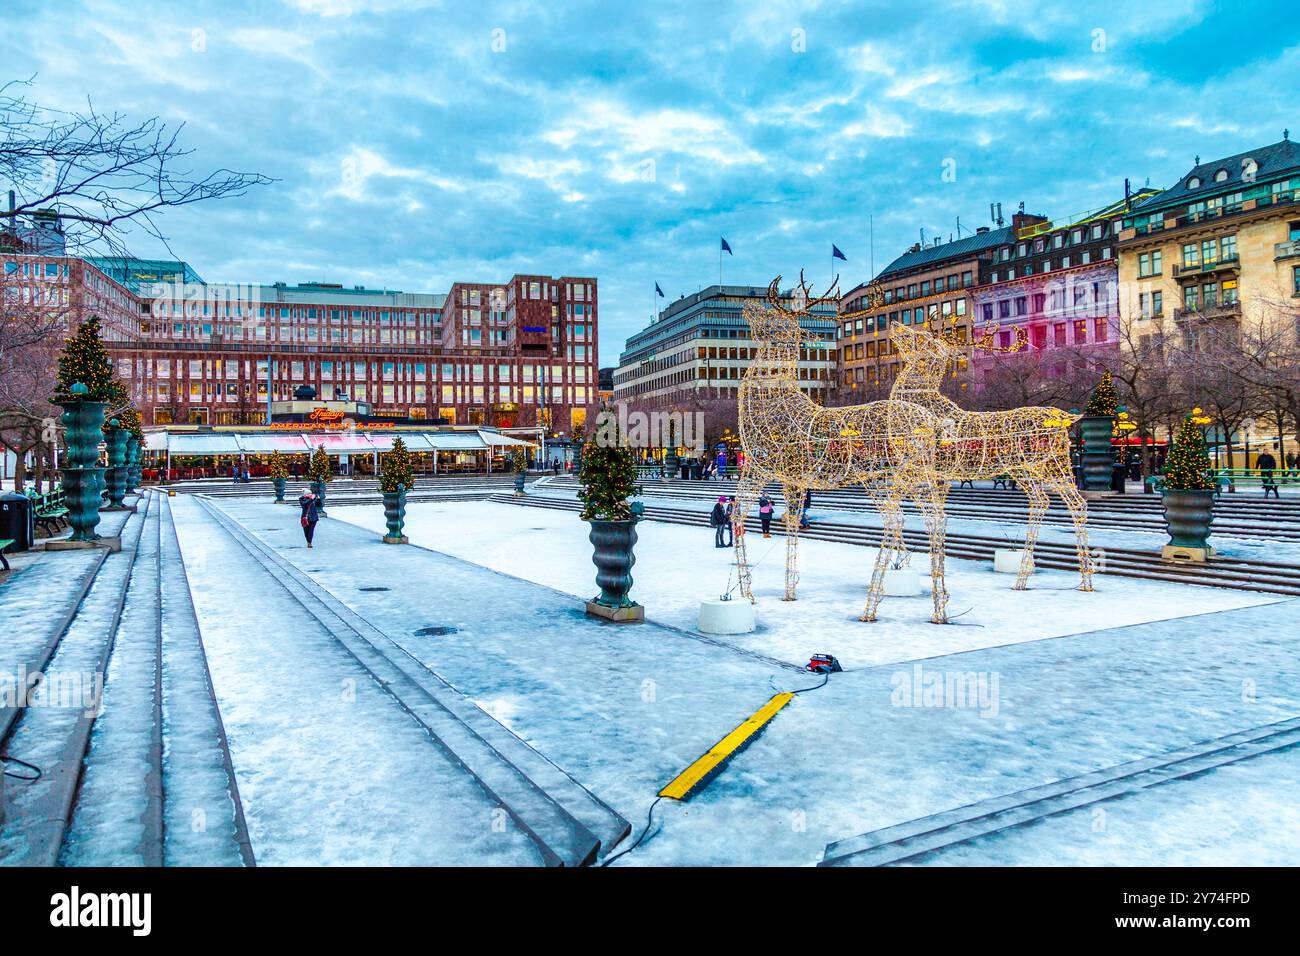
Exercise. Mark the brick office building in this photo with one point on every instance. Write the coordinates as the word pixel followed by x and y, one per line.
pixel 216 353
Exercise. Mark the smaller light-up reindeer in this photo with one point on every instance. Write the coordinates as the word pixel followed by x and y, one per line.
pixel 1031 444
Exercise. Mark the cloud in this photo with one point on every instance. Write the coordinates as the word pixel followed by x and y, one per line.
pixel 410 150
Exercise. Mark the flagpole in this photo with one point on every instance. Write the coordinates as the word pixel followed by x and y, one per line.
pixel 719 265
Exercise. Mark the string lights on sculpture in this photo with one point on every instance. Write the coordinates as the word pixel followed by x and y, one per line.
pixel 909 446
pixel 888 447
pixel 1031 445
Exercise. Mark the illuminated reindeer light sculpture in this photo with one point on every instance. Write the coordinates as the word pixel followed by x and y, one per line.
pixel 888 447
pixel 1030 444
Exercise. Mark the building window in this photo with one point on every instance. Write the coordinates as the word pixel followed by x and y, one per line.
pixel 1191 255
pixel 1192 298
pixel 1295 280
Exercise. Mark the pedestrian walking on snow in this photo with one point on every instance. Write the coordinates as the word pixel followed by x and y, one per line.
pixel 310 505
pixel 765 510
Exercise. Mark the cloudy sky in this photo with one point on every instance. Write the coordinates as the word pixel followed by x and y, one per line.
pixel 414 143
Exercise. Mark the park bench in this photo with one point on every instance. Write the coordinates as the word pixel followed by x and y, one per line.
pixel 4 543
pixel 1228 477
pixel 1004 482
pixel 49 509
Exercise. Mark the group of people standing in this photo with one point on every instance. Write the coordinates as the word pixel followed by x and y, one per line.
pixel 724 510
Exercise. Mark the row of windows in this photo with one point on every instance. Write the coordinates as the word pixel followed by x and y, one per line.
pixel 1086 257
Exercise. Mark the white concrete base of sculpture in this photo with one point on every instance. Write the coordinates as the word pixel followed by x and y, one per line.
pixel 1007 561
pixel 726 617
pixel 902 582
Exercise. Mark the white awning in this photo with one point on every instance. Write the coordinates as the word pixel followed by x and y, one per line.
pixel 289 444
pixel 211 443
pixel 496 438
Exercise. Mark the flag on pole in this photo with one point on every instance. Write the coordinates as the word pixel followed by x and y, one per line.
pixel 836 254
pixel 726 248
pixel 659 290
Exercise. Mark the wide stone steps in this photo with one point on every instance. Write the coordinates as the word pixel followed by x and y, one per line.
pixel 1269 577
pixel 927 834
pixel 570 826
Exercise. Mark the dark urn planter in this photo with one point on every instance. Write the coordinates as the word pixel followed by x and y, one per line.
pixel 613 543
pixel 115 474
pixel 395 515
pixel 279 490
pixel 318 489
pixel 83 423
pixel 519 482
pixel 672 464
pixel 132 465
pixel 1098 457
pixel 1188 515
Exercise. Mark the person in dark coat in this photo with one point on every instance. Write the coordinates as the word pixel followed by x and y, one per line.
pixel 310 505
pixel 718 518
pixel 1267 464
pixel 807 506
pixel 765 510
pixel 731 520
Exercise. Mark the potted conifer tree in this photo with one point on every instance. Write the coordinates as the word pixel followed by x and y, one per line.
pixel 1188 491
pixel 318 473
pixel 395 478
pixel 521 469
pixel 279 475
pixel 85 388
pixel 608 482
pixel 1097 426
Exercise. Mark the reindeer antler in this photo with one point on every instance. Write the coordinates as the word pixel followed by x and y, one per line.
pixel 809 301
pixel 985 342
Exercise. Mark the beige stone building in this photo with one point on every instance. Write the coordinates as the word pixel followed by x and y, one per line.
pixel 1220 246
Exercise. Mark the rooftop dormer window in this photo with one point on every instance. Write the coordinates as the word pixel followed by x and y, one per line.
pixel 1193 182
pixel 1220 175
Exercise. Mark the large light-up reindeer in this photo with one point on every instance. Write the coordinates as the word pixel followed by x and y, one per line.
pixel 888 447
pixel 1031 444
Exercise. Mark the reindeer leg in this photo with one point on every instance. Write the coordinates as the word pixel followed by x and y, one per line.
pixel 1064 486
pixel 891 516
pixel 931 497
pixel 794 498
pixel 747 490
pixel 1038 504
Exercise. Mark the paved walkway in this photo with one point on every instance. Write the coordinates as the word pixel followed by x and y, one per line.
pixel 623 709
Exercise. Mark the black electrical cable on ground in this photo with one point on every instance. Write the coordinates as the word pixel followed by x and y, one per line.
pixel 648 818
pixel 36 771
pixel 826 676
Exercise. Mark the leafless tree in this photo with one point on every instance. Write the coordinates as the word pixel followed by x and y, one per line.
pixel 29 342
pixel 1147 380
pixel 100 173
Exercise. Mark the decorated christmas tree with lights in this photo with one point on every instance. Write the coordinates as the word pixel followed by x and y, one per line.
pixel 608 478
pixel 1187 468
pixel 397 469
pixel 1104 402
pixel 84 359
pixel 319 468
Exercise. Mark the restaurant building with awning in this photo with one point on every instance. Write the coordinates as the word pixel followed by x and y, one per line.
pixel 198 451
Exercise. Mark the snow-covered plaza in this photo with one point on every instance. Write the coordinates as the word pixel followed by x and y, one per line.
pixel 449 702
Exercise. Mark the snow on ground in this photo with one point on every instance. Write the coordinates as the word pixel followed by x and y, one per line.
pixel 331 770
pixel 1237 815
pixel 625 708
pixel 677 567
